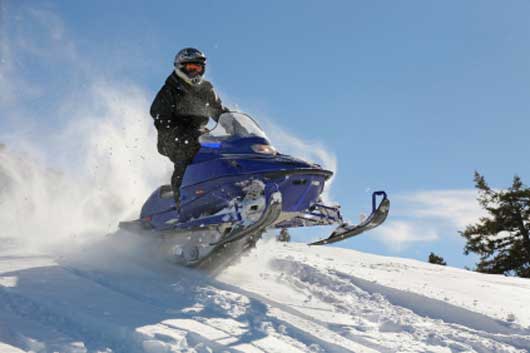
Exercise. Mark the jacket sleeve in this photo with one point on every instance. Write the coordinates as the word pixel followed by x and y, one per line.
pixel 216 104
pixel 162 108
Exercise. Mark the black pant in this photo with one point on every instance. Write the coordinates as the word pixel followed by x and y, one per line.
pixel 180 146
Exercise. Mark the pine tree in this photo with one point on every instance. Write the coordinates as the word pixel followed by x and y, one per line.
pixel 437 260
pixel 284 236
pixel 502 238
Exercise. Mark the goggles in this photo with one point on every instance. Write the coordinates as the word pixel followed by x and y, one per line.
pixel 193 69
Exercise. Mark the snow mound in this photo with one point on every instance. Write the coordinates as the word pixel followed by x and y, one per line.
pixel 122 295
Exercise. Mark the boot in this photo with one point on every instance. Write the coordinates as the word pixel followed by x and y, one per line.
pixel 176 181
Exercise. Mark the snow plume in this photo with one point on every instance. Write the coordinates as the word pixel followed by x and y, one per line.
pixel 113 168
pixel 307 150
pixel 79 160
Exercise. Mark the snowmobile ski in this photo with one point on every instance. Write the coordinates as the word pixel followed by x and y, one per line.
pixel 376 218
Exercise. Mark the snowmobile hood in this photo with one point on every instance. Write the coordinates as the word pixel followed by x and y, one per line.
pixel 241 162
pixel 237 148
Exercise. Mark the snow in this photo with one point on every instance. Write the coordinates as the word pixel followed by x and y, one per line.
pixel 126 296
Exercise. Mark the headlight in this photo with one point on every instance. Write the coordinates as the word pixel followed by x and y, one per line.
pixel 264 149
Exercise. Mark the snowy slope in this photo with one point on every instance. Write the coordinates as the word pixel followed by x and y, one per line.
pixel 122 295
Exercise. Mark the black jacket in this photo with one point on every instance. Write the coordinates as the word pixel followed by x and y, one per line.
pixel 185 107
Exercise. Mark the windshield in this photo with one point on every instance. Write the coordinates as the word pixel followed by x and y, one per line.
pixel 234 124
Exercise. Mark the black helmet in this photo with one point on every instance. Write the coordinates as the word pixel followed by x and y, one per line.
pixel 190 64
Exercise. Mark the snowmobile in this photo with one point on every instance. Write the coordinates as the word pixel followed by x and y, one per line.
pixel 238 186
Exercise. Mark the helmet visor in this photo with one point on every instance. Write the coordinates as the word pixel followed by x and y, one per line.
pixel 193 69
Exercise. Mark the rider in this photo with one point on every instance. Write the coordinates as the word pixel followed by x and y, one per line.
pixel 181 108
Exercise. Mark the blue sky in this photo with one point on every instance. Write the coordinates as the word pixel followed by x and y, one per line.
pixel 410 96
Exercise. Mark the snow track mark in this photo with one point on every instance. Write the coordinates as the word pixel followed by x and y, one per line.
pixel 378 311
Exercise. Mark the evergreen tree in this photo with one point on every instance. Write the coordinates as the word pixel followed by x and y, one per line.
pixel 284 236
pixel 502 238
pixel 437 260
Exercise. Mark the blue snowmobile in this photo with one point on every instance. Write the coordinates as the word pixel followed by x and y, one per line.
pixel 237 187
